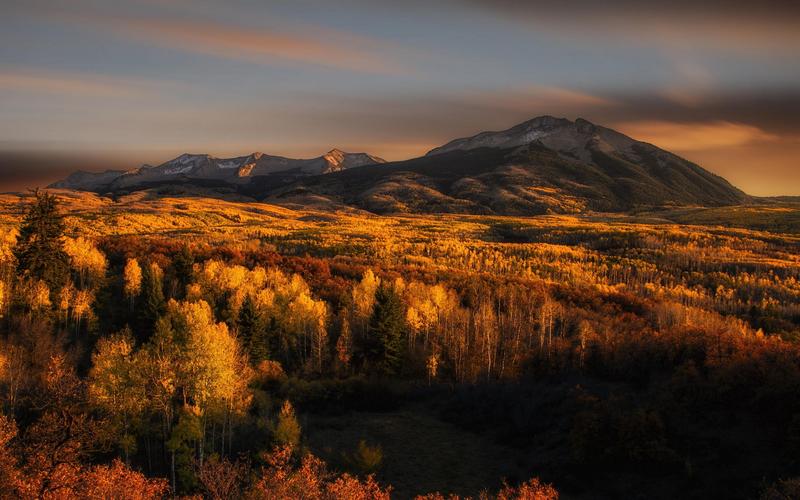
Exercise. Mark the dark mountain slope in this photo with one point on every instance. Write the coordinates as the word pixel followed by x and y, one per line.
pixel 564 167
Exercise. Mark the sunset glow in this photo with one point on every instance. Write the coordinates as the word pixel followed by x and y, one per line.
pixel 146 81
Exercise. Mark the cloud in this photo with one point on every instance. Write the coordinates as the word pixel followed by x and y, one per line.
pixel 312 45
pixel 422 117
pixel 39 80
pixel 64 83
pixel 694 136
pixel 730 25
pixel 775 111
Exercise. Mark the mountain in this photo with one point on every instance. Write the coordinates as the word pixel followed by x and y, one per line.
pixel 88 181
pixel 544 165
pixel 190 168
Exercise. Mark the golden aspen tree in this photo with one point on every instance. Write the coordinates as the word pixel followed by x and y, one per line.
pixel 86 259
pixel 485 319
pixel 213 372
pixel 209 359
pixel 65 300
pixel 81 307
pixel 364 295
pixel 116 385
pixel 158 364
pixel 35 294
pixel 415 323
pixel 4 298
pixel 547 313
pixel 585 334
pixel 132 276
pixel 8 239
pixel 307 320
pixel 432 365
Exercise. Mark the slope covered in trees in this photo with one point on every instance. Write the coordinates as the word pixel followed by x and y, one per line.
pixel 196 346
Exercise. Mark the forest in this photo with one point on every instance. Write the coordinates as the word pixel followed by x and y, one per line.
pixel 170 346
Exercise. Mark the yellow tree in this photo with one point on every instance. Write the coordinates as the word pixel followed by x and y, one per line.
pixel 212 372
pixel 4 298
pixel 157 363
pixel 307 319
pixel 86 259
pixel 133 279
pixel 81 307
pixel 65 299
pixel 35 294
pixel 116 385
pixel 364 296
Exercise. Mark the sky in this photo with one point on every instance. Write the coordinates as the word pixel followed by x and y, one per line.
pixel 93 84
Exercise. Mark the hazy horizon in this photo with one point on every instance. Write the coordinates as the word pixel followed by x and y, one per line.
pixel 86 85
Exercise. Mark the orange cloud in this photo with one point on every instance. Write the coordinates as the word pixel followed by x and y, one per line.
pixel 733 26
pixel 317 46
pixel 86 84
pixel 58 84
pixel 538 96
pixel 694 136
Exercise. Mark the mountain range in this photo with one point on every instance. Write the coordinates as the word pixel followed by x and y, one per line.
pixel 544 165
pixel 236 170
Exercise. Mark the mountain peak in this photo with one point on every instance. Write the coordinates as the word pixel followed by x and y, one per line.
pixel 544 121
pixel 560 134
pixel 523 133
pixel 341 160
pixel 335 156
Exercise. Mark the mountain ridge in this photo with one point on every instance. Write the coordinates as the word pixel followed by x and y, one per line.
pixel 235 170
pixel 543 165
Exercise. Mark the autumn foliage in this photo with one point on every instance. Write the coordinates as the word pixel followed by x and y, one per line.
pixel 188 352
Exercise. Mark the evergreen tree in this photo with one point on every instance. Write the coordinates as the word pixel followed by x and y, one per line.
pixel 183 267
pixel 252 333
pixel 40 248
pixel 151 303
pixel 385 332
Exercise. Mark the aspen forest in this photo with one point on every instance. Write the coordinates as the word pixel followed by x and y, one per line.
pixel 200 348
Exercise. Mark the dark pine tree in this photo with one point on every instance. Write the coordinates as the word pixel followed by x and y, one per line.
pixel 385 332
pixel 183 268
pixel 151 304
pixel 252 332
pixel 40 250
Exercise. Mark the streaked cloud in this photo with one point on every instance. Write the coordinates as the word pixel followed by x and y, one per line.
pixel 297 44
pixel 39 80
pixel 714 81
pixel 725 25
pixel 695 136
